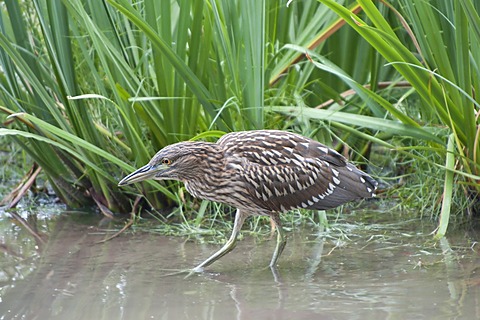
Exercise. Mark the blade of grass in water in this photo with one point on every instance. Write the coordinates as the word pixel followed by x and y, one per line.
pixel 448 188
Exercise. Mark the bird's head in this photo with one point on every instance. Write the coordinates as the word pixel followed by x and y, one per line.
pixel 180 161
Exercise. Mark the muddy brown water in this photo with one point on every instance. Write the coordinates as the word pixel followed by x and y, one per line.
pixel 388 269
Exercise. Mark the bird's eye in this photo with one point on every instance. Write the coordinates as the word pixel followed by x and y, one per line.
pixel 166 161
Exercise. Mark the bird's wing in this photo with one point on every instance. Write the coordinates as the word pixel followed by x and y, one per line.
pixel 283 171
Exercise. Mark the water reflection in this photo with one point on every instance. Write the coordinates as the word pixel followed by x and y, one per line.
pixel 354 271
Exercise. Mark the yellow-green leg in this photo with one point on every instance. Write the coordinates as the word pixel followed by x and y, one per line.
pixel 281 241
pixel 237 226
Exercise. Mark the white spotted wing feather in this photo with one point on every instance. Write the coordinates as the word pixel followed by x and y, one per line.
pixel 283 171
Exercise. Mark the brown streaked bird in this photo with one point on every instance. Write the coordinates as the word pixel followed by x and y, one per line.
pixel 261 172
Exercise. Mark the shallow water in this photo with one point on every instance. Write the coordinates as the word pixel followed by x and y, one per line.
pixel 387 269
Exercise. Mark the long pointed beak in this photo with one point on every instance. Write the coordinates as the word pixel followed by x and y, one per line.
pixel 146 172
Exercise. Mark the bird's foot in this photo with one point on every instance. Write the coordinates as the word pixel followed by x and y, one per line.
pixel 175 272
pixel 188 272
pixel 197 269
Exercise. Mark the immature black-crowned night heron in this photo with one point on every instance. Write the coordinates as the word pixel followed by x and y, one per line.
pixel 261 172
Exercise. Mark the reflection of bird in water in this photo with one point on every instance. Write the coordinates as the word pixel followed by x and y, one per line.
pixel 261 172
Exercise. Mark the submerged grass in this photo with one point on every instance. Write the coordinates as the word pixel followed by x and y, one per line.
pixel 215 224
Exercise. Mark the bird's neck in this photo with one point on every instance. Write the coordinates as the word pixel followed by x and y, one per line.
pixel 206 185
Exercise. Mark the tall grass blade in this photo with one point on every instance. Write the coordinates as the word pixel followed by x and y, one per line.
pixel 447 189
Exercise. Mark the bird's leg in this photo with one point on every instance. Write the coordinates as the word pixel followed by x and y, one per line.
pixel 281 241
pixel 240 217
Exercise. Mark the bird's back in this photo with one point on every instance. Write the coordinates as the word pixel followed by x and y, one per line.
pixel 283 171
